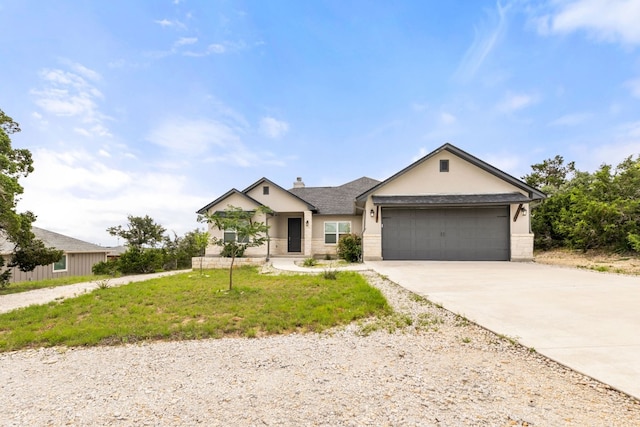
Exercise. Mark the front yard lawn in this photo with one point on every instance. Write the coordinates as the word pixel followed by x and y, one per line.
pixel 193 306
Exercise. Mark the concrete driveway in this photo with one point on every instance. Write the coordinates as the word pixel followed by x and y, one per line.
pixel 586 320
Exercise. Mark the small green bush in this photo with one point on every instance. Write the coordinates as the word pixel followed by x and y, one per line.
pixel 106 268
pixel 350 248
pixel 309 262
pixel 140 261
pixel 330 274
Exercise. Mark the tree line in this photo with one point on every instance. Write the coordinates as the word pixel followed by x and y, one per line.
pixel 149 248
pixel 599 210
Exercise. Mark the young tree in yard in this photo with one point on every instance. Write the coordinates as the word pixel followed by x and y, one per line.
pixel 240 232
pixel 201 240
pixel 15 227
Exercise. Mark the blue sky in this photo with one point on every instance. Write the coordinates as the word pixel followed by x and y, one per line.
pixel 158 107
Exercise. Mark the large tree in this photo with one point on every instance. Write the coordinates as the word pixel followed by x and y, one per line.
pixel 28 252
pixel 140 232
pixel 599 210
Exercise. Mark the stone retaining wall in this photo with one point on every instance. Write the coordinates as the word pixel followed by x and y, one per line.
pixel 220 262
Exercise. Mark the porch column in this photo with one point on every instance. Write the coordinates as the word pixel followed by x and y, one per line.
pixel 308 219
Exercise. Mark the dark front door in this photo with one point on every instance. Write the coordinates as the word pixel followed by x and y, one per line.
pixel 295 235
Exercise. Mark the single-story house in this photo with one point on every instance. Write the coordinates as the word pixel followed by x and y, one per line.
pixel 448 205
pixel 77 260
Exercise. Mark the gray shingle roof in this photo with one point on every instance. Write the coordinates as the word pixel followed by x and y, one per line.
pixel 452 199
pixel 335 200
pixel 55 240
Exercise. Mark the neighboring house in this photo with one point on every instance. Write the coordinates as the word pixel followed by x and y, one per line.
pixel 77 260
pixel 449 205
pixel 115 252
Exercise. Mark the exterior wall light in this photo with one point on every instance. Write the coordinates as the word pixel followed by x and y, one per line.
pixel 372 213
pixel 307 223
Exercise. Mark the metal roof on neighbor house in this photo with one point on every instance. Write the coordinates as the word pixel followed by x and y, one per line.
pixel 335 200
pixel 55 240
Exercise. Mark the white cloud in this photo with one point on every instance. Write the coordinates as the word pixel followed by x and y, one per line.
pixel 273 128
pixel 214 48
pixel 514 102
pixel 182 41
pixel 419 107
pixel 70 94
pixel 165 23
pixel 574 119
pixel 634 86
pixel 629 130
pixel 447 118
pixel 508 163
pixel 76 194
pixel 193 136
pixel 484 42
pixel 421 153
pixel 606 20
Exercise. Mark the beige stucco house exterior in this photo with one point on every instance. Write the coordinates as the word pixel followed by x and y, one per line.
pixel 448 205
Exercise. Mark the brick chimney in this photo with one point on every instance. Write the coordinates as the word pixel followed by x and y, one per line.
pixel 298 183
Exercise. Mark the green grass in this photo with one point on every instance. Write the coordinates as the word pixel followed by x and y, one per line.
pixel 193 306
pixel 15 288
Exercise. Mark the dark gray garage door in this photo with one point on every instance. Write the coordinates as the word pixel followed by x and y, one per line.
pixel 455 234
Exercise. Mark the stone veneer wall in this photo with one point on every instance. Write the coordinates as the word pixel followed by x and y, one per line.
pixel 521 247
pixel 372 247
pixel 220 262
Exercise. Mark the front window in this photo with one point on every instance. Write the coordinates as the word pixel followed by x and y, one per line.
pixel 232 236
pixel 333 230
pixel 61 264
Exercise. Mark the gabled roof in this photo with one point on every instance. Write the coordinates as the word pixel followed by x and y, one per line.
pixel 204 210
pixel 335 200
pixel 271 183
pixel 534 194
pixel 57 241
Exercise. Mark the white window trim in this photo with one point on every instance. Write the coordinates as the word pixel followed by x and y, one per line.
pixel 337 233
pixel 235 238
pixel 66 265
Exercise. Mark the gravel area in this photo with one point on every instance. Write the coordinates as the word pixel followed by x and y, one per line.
pixel 438 371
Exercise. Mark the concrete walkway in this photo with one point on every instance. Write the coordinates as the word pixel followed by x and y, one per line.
pixel 586 320
pixel 42 296
pixel 289 264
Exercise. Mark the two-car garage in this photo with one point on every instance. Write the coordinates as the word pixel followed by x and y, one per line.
pixel 449 233
pixel 448 206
